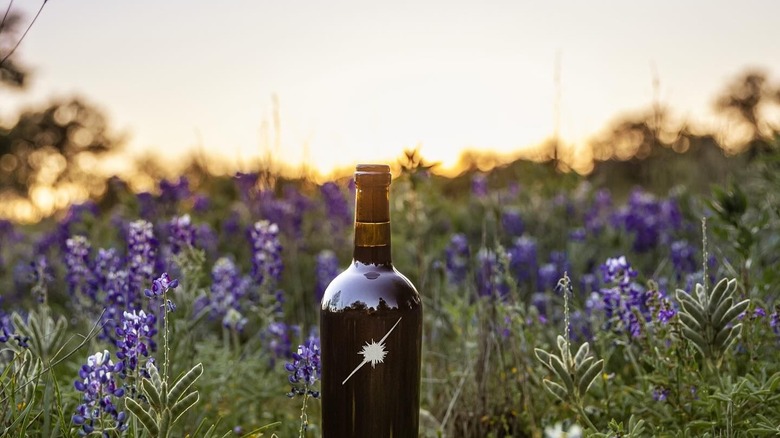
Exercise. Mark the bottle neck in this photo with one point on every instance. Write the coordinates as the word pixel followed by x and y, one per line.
pixel 372 225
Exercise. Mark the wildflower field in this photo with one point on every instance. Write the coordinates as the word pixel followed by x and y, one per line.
pixel 552 303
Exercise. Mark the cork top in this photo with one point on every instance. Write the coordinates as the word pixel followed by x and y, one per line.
pixel 372 175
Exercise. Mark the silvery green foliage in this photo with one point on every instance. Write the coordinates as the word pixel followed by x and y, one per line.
pixel 45 336
pixel 576 374
pixel 19 380
pixel 166 406
pixel 709 318
pixel 635 429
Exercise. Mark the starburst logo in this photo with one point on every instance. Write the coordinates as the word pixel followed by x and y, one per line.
pixel 373 352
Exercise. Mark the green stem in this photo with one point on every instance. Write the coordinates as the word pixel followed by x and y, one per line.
pixel 165 336
pixel 304 417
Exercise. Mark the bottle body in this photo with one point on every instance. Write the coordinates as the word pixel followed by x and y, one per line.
pixel 371 330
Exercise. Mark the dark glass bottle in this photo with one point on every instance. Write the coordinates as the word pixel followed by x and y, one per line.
pixel 371 329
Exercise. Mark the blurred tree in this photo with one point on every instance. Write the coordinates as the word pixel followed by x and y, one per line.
pixel 11 73
pixel 55 146
pixel 748 100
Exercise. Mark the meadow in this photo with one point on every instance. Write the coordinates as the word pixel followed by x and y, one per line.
pixel 552 302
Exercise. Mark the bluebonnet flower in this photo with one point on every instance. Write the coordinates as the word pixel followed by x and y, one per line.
pixel 325 270
pixel 597 215
pixel 114 281
pixel 336 205
pixel 201 203
pixel 141 253
pixel 8 332
pixel 547 277
pixel 278 340
pixel 523 259
pixel 181 233
pixel 41 276
pixel 147 206
pixel 228 290
pixel 97 382
pixel 457 259
pixel 479 186
pixel 206 238
pixel 774 321
pixel 234 320
pixel 160 288
pixel 172 192
pixel 617 270
pixel 758 312
pixel 666 313
pixel 512 222
pixel 305 369
pixel 660 393
pixel 266 252
pixel 79 272
pixel 652 222
pixel 490 275
pixel 578 234
pixel 135 340
pixel 247 184
pixel 622 300
pixel 589 282
pixel 541 301
pixel 683 256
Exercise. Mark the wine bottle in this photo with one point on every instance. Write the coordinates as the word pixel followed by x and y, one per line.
pixel 371 329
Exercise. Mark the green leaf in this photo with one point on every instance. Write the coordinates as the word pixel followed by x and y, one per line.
pixel 732 313
pixel 695 311
pixel 582 353
pixel 165 423
pixel 589 376
pixel 563 346
pixel 184 383
pixel 144 417
pixel 555 389
pixel 543 357
pixel 718 293
pixel 723 307
pixel 563 373
pixel 183 405
pixel 697 340
pixel 152 393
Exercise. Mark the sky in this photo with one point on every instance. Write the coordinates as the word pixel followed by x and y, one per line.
pixel 360 81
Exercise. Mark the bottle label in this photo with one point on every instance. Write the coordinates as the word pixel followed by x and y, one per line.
pixel 373 352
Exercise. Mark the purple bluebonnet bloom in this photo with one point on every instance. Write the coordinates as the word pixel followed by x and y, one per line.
pixel 181 233
pixel 622 300
pixel 172 192
pixel 512 222
pixel 589 283
pixel 113 280
pixel 758 312
pixel 8 332
pixel 247 185
pixel 617 270
pixel 99 404
pixel 147 205
pixel 652 222
pixel 266 252
pixel 774 321
pixel 547 277
pixel 457 257
pixel 141 253
pixel 666 313
pixel 336 205
pixel 597 215
pixel 80 276
pixel 578 234
pixel 229 291
pixel 660 393
pixel 325 270
pixel 277 338
pixel 41 276
pixel 683 256
pixel 305 369
pixel 479 186
pixel 135 340
pixel 201 203
pixel 523 259
pixel 160 288
pixel 490 275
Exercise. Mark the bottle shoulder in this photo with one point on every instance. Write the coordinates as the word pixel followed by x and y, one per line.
pixel 376 287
